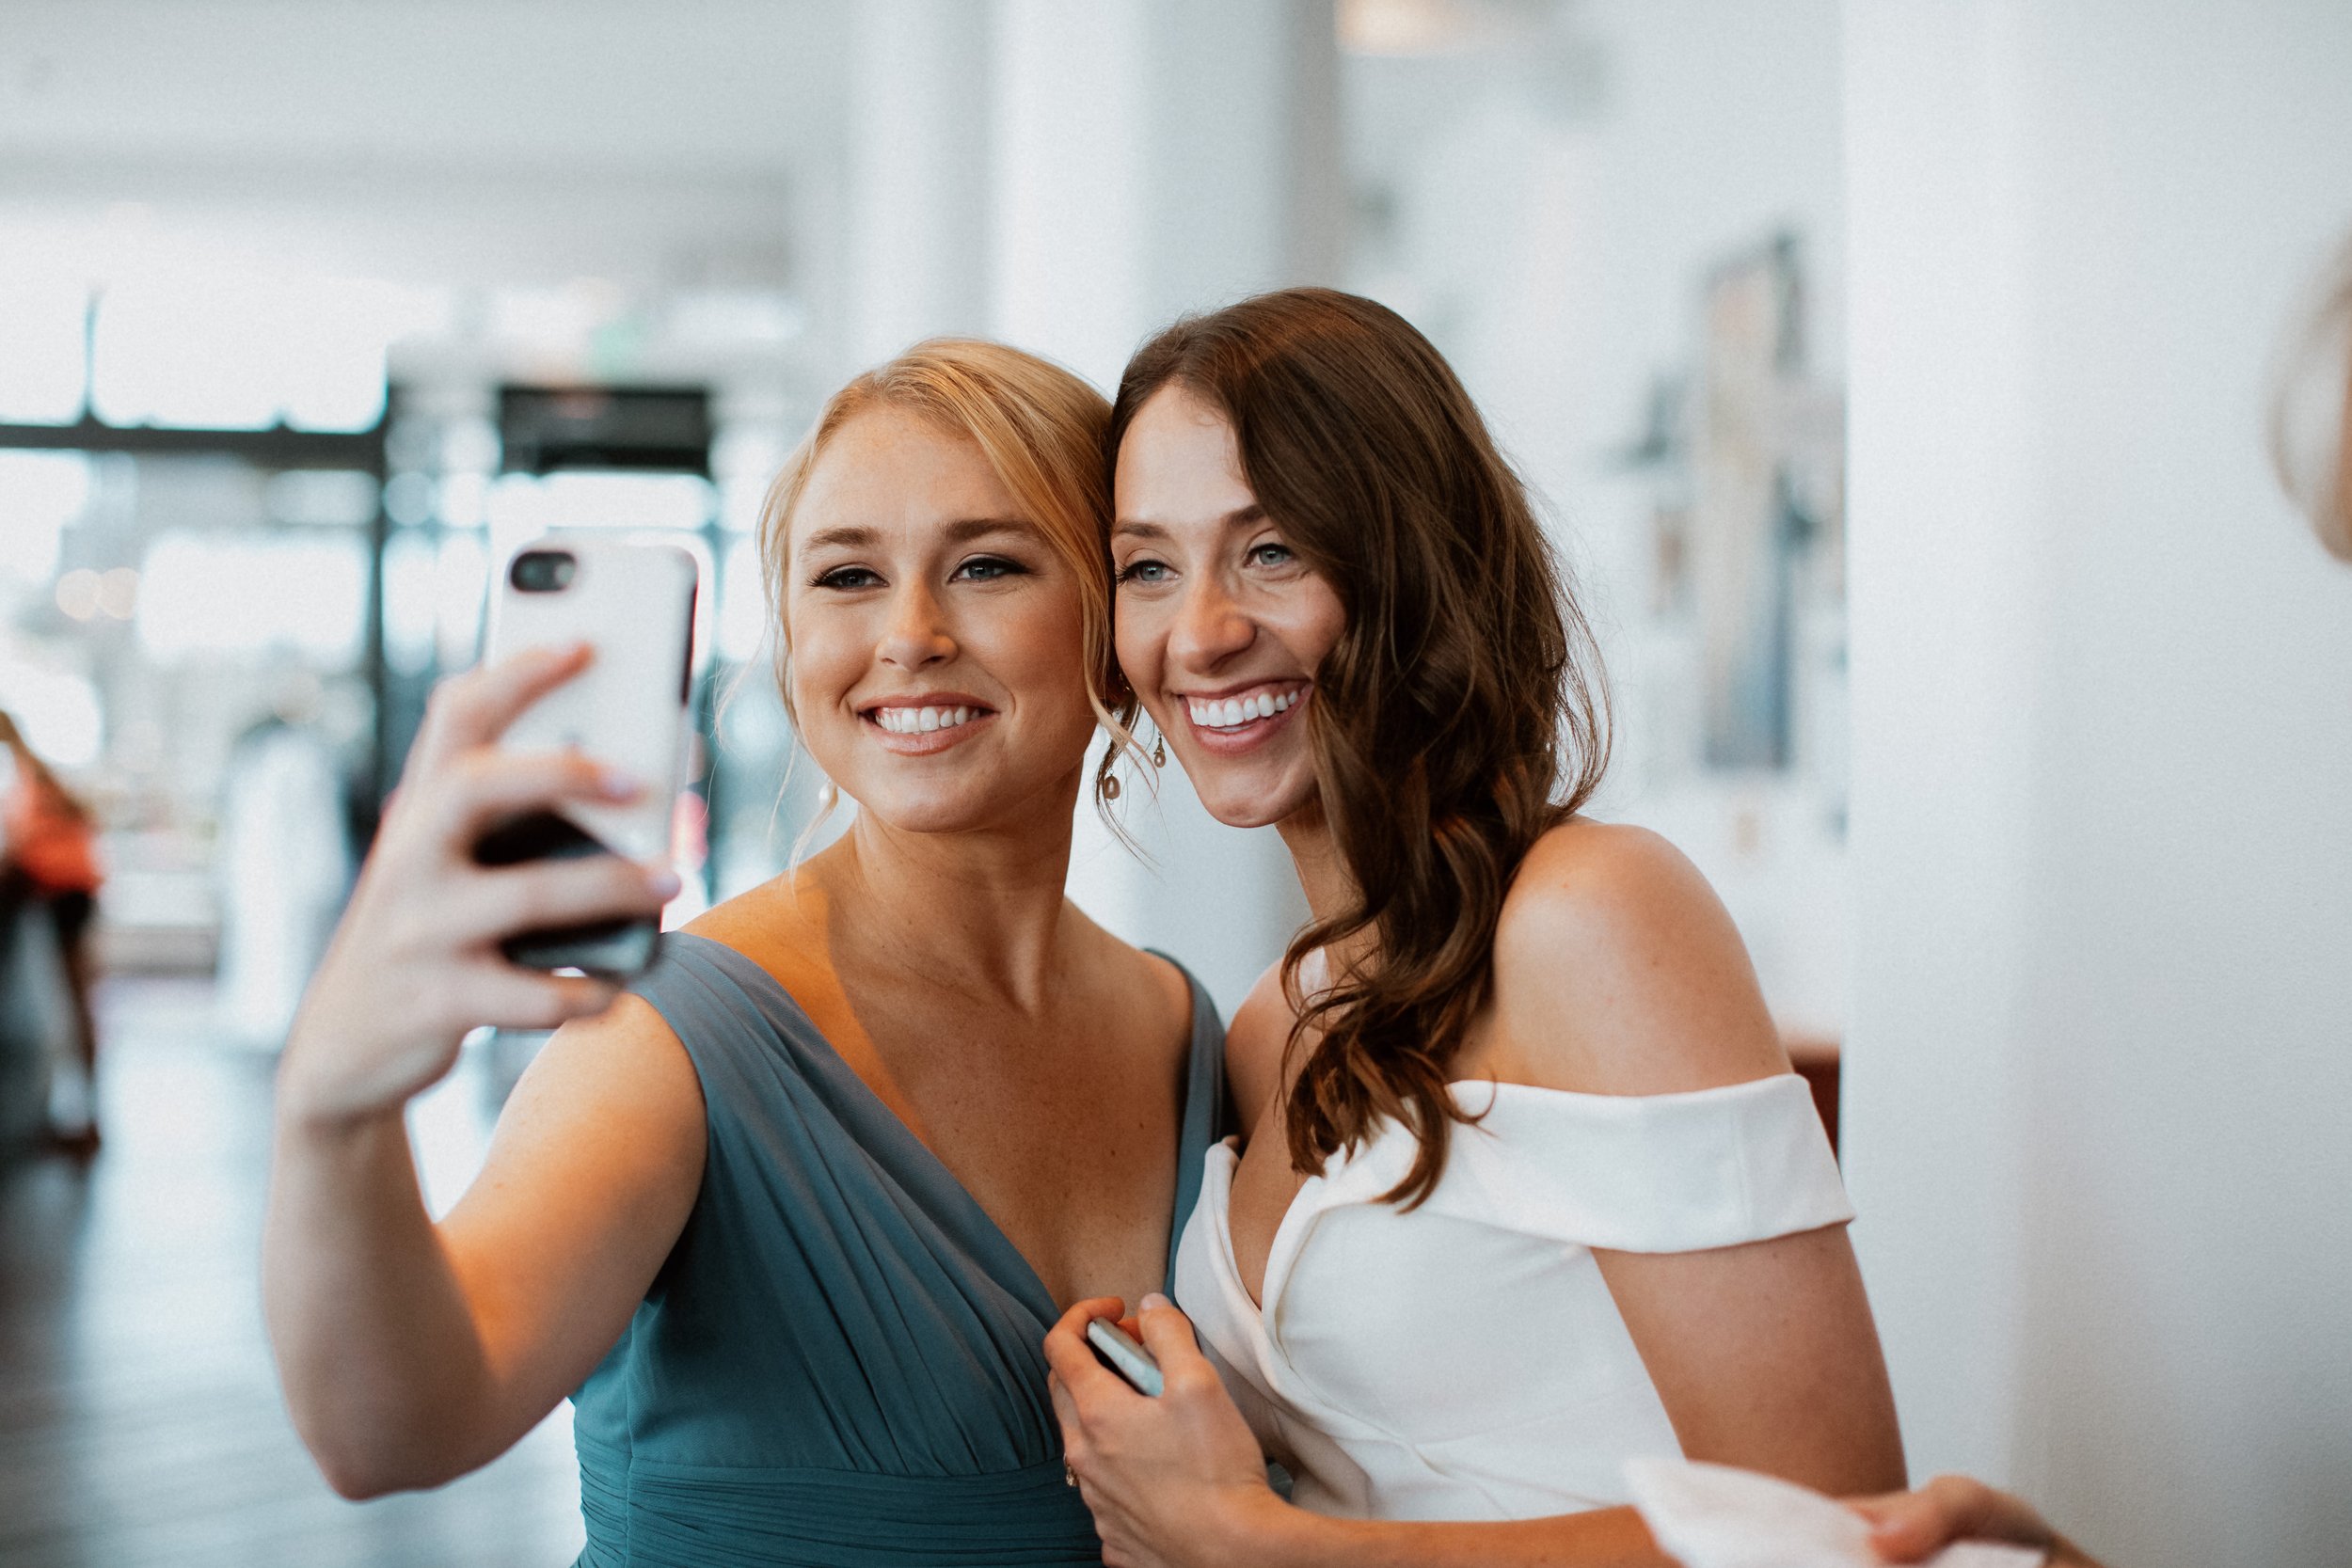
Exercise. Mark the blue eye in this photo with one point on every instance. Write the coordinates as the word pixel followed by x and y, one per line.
pixel 988 568
pixel 1146 571
pixel 846 578
pixel 1270 555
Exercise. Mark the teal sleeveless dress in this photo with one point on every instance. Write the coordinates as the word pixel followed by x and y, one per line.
pixel 841 1364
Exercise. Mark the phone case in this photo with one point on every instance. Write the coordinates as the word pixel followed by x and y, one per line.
pixel 633 602
pixel 1119 1351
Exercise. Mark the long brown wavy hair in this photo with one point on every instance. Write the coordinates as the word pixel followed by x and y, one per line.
pixel 1459 716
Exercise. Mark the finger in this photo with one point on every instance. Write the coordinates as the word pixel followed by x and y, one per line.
pixel 485 787
pixel 551 895
pixel 1911 1526
pixel 1084 1312
pixel 1168 1333
pixel 474 708
pixel 1066 1412
pixel 519 999
pixel 1086 1379
pixel 1904 1526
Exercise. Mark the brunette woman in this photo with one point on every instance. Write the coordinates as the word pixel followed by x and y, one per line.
pixel 792 1217
pixel 1529 1187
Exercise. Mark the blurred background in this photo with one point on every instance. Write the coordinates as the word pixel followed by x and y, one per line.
pixel 2037 820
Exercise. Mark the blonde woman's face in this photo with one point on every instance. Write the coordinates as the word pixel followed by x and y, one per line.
pixel 936 639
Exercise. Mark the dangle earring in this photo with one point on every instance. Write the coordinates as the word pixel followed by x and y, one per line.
pixel 1159 749
pixel 1109 786
pixel 827 796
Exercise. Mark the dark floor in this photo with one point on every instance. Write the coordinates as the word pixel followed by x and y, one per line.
pixel 140 1420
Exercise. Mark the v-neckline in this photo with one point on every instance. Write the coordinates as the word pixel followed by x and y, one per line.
pixel 985 1235
pixel 1295 1213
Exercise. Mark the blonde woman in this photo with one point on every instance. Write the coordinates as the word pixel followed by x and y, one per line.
pixel 790 1220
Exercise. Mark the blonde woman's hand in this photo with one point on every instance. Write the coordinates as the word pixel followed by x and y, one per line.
pixel 1912 1527
pixel 415 961
pixel 1173 1481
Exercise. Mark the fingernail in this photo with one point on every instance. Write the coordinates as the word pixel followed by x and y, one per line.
pixel 663 885
pixel 1154 1302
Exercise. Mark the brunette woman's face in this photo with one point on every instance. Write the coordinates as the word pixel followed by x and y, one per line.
pixel 1221 628
pixel 936 660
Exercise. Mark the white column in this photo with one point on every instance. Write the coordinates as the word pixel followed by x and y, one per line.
pixel 919 243
pixel 1073 184
pixel 1152 157
pixel 1942 563
pixel 2099 1082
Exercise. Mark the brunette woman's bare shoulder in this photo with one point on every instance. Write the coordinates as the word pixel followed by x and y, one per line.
pixel 1617 970
pixel 1260 1027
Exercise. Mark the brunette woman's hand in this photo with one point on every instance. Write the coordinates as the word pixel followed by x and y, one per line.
pixel 1175 1481
pixel 1912 1527
pixel 415 961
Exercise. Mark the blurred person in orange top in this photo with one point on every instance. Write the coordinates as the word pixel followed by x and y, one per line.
pixel 52 858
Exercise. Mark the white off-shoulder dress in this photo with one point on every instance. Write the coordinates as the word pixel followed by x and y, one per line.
pixel 1464 1359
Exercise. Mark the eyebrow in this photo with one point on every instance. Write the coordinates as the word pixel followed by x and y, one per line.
pixel 962 531
pixel 1133 527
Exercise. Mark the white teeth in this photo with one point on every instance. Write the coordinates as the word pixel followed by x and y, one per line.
pixel 1231 713
pixel 922 721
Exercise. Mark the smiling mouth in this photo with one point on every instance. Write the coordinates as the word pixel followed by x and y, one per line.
pixel 1235 714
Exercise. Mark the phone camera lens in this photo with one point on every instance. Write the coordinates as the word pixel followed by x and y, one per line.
pixel 543 571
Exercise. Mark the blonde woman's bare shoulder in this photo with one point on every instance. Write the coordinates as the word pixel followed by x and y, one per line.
pixel 1617 970
pixel 779 926
pixel 1118 974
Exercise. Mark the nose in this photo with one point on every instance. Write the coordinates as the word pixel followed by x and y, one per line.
pixel 917 635
pixel 1210 626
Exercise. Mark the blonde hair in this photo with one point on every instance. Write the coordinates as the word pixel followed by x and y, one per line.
pixel 2311 412
pixel 1040 428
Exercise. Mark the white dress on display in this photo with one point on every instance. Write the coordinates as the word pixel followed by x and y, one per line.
pixel 1464 1359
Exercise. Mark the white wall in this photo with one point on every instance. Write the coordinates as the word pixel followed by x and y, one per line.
pixel 2099 1082
pixel 917 188
pixel 1552 196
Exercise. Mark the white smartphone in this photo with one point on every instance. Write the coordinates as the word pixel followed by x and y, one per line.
pixel 632 601
pixel 1117 1349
